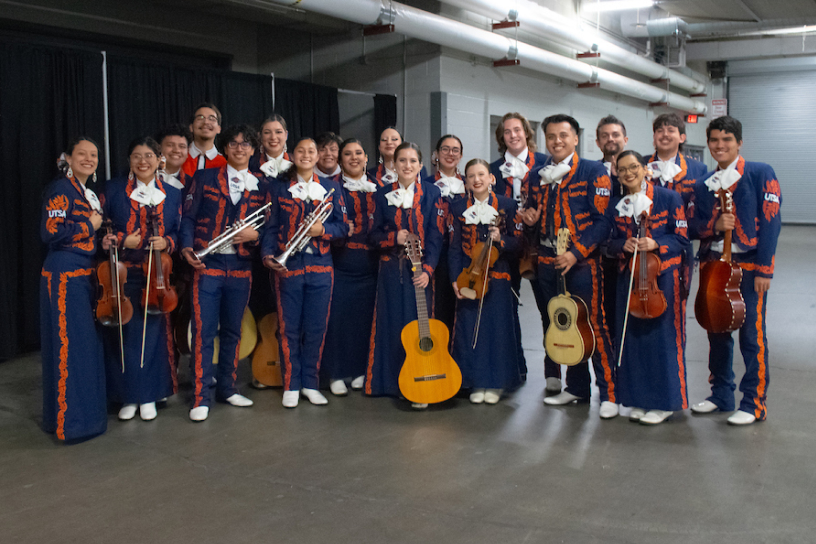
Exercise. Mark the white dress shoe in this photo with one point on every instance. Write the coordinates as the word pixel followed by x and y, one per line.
pixel 147 411
pixel 653 417
pixel 314 396
pixel 636 414
pixel 561 399
pixel 338 388
pixel 239 400
pixel 553 385
pixel 128 411
pixel 478 396
pixel 705 407
pixel 741 418
pixel 200 413
pixel 290 399
pixel 419 405
pixel 258 385
pixel 608 410
pixel 358 383
pixel 492 396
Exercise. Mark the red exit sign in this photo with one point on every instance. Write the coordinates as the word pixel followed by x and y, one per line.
pixel 691 119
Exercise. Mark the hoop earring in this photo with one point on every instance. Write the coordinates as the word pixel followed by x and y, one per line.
pixel 381 159
pixel 69 173
pixel 94 176
pixel 131 177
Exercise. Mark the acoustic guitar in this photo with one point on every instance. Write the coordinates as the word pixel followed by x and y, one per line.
pixel 429 373
pixel 719 306
pixel 266 367
pixel 569 339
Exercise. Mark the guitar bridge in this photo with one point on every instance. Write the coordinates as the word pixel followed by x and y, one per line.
pixel 430 378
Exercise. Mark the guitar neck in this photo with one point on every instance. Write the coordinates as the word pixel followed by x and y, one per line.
pixel 422 306
pixel 726 207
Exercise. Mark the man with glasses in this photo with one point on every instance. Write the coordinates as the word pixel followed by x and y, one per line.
pixel 216 199
pixel 205 126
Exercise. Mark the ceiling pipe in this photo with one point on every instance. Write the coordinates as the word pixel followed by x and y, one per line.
pixel 557 28
pixel 633 26
pixel 431 28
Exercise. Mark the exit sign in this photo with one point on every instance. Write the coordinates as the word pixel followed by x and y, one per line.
pixel 691 119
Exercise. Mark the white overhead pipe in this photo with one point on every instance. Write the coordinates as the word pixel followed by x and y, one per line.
pixel 557 28
pixel 425 26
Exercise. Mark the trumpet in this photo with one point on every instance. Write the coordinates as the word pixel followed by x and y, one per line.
pixel 254 220
pixel 301 237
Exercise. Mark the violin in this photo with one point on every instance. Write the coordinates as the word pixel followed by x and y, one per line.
pixel 646 301
pixel 113 308
pixel 158 295
pixel 528 262
pixel 472 282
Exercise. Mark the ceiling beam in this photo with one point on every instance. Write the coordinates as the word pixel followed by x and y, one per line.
pixel 749 11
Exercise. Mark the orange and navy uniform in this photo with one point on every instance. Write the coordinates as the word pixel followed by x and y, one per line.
pixel 154 378
pixel 260 158
pixel 73 370
pixel 219 292
pixel 379 175
pixel 578 203
pixel 652 372
pixel 683 182
pixel 202 160
pixel 493 363
pixel 304 290
pixel 757 200
pixel 396 299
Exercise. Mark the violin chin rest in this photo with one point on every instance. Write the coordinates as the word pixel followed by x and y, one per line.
pixel 467 292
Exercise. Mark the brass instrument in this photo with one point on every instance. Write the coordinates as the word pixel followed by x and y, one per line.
pixel 301 237
pixel 254 220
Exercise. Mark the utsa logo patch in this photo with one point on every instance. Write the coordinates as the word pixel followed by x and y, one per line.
pixel 602 191
pixel 681 224
pixel 770 205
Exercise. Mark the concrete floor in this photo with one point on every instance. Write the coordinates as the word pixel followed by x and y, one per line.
pixel 372 471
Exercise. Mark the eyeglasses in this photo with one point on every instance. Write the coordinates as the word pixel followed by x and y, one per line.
pixel 450 150
pixel 243 145
pixel 139 158
pixel 210 118
pixel 631 170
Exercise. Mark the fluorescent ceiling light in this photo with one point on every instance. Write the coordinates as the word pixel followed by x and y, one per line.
pixel 616 5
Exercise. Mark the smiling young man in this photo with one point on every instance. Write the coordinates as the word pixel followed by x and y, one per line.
pixel 328 153
pixel 205 126
pixel 175 142
pixel 755 224
pixel 671 169
pixel 573 193
pixel 611 139
pixel 216 199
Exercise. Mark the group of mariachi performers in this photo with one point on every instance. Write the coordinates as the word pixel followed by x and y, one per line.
pixel 359 259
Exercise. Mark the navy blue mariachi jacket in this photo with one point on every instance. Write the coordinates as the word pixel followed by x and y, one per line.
pixel 683 183
pixel 757 200
pixel 66 219
pixel 535 161
pixel 580 203
pixel 421 219
pixel 208 210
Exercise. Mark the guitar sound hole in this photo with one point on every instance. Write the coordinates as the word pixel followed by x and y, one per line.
pixel 562 320
pixel 425 344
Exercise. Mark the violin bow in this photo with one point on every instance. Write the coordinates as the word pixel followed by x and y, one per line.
pixel 496 222
pixel 628 301
pixel 147 300
pixel 119 307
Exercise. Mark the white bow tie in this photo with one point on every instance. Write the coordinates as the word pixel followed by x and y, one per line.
pixel 401 198
pixel 664 170
pixel 634 205
pixel 723 179
pixel 173 180
pixel 90 196
pixel 307 191
pixel 272 168
pixel 513 167
pixel 450 185
pixel 147 195
pixel 608 166
pixel 238 183
pixel 554 173
pixel 361 184
pixel 481 213
pixel 388 176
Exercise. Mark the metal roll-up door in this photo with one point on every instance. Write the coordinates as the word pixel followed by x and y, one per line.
pixel 778 115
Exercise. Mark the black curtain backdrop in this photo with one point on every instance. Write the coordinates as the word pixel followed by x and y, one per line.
pixel 308 109
pixel 47 97
pixel 145 96
pixel 385 114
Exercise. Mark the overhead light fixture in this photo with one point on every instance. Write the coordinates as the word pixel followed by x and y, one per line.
pixel 616 5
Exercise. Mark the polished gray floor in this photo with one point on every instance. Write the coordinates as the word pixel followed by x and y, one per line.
pixel 371 471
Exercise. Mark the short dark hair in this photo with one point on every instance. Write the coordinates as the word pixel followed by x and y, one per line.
pixel 725 124
pixel 609 120
pixel 408 145
pixel 206 105
pixel 291 172
pixel 560 118
pixel 322 140
pixel 174 130
pixel 147 141
pixel 669 119
pixel 525 124
pixel 231 132
pixel 634 154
